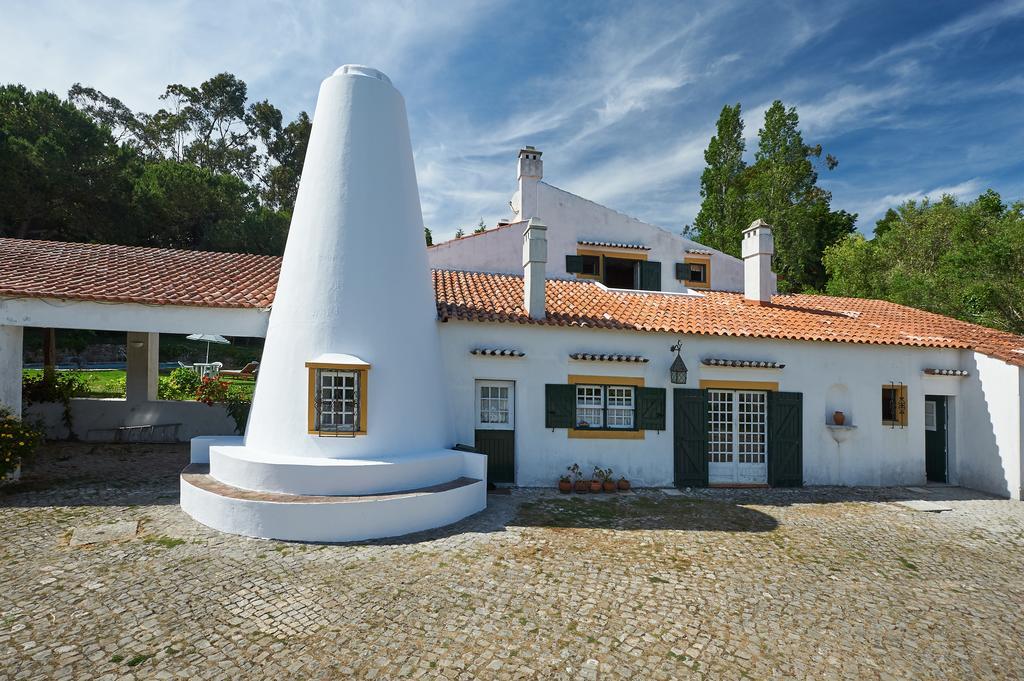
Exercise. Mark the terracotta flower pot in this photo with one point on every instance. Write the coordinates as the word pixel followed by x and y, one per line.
pixel 564 486
pixel 839 418
pixel 595 485
pixel 582 487
pixel 609 486
pixel 623 485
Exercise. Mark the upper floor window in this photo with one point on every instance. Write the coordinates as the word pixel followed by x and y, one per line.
pixel 694 272
pixel 623 270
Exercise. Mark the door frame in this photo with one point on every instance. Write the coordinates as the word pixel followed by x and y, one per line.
pixel 736 440
pixel 941 401
pixel 513 408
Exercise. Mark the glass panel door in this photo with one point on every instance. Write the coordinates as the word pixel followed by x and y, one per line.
pixel 737 436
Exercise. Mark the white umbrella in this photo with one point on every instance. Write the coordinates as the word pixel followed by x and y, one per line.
pixel 209 338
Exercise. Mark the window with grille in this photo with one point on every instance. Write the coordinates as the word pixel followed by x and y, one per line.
pixel 720 427
pixel 606 407
pixel 337 399
pixel 753 427
pixel 620 406
pixel 338 405
pixel 894 405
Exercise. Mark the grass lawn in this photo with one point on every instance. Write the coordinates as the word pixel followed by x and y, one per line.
pixel 110 382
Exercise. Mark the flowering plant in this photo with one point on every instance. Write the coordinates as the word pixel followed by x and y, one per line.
pixel 18 442
pixel 211 391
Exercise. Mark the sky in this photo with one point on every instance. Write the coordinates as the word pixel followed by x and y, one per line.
pixel 915 99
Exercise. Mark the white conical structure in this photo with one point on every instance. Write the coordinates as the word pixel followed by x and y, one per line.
pixel 354 290
pixel 355 280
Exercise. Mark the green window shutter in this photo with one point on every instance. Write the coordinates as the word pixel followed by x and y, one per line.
pixel 785 439
pixel 559 405
pixel 681 271
pixel 574 264
pixel 650 275
pixel 650 408
pixel 690 435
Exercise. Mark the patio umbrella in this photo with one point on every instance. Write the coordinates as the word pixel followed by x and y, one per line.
pixel 209 338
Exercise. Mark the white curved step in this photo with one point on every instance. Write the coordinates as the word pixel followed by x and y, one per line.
pixel 246 468
pixel 327 519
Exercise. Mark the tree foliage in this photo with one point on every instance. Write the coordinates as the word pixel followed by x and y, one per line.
pixel 962 259
pixel 208 170
pixel 780 187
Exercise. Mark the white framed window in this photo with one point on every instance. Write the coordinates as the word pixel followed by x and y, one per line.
pixel 495 405
pixel 620 406
pixel 589 406
pixel 338 401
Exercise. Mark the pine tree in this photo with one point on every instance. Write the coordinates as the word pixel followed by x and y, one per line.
pixel 480 228
pixel 428 236
pixel 720 222
pixel 460 233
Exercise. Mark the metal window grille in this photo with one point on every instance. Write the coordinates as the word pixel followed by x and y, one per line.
pixel 336 402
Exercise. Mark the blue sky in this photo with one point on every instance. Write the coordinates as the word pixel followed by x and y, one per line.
pixel 914 99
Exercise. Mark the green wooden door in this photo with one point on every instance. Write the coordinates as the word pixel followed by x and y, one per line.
pixel 785 439
pixel 690 437
pixel 935 438
pixel 495 429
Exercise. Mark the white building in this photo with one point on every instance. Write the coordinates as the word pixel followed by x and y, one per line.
pixel 549 345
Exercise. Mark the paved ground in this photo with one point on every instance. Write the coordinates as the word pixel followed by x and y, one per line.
pixel 820 583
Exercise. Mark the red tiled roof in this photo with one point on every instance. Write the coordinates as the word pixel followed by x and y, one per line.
pixel 474 296
pixel 130 274
pixel 155 276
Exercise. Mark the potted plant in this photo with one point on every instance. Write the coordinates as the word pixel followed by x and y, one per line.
pixel 565 484
pixel 595 482
pixel 623 484
pixel 579 484
pixel 606 480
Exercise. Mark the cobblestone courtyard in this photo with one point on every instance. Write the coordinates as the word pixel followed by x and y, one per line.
pixel 817 583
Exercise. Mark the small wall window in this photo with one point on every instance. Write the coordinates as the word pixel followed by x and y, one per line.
pixel 337 400
pixel 694 272
pixel 590 265
pixel 605 406
pixel 894 405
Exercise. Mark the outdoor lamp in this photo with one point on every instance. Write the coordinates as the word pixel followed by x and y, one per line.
pixel 677 372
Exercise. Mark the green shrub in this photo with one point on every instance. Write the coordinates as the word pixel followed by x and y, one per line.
pixel 18 442
pixel 211 391
pixel 181 384
pixel 51 386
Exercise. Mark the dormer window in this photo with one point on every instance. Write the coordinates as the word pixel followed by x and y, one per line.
pixel 337 396
pixel 694 271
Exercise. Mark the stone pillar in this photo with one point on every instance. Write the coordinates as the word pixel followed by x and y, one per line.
pixel 143 366
pixel 11 348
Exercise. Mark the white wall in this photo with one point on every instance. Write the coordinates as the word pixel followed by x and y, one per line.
pixel 89 414
pixel 873 455
pixel 571 218
pixel 11 349
pixel 991 426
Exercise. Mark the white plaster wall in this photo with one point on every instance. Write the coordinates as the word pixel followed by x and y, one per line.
pixel 873 455
pixel 571 218
pixel 11 350
pixel 355 280
pixel 81 314
pixel 991 426
pixel 89 414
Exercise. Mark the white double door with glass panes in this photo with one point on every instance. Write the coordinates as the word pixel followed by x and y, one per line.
pixel 737 436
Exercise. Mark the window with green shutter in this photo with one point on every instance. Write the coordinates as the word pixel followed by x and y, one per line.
pixel 559 405
pixel 650 406
pixel 650 275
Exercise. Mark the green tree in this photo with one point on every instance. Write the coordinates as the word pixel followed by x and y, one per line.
pixel 481 227
pixel 720 222
pixel 459 233
pixel 428 236
pixel 62 176
pixel 959 259
pixel 781 188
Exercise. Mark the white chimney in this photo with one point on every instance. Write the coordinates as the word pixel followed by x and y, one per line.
pixel 535 257
pixel 758 248
pixel 531 170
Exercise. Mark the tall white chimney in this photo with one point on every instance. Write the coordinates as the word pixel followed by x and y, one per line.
pixel 535 257
pixel 758 247
pixel 531 171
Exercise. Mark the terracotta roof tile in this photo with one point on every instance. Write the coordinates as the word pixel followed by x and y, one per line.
pixel 155 276
pixel 130 274
pixel 474 296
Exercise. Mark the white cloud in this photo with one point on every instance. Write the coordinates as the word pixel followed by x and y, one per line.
pixel 870 211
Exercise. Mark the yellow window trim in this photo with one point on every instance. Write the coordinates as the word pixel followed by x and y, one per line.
pixel 611 434
pixel 699 260
pixel 361 371
pixel 606 253
pixel 770 386
pixel 901 398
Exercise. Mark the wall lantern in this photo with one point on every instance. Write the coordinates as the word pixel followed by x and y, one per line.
pixel 677 373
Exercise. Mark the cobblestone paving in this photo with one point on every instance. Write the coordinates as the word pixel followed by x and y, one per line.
pixel 817 583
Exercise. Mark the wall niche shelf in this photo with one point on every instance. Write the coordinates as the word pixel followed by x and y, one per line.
pixel 840 433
